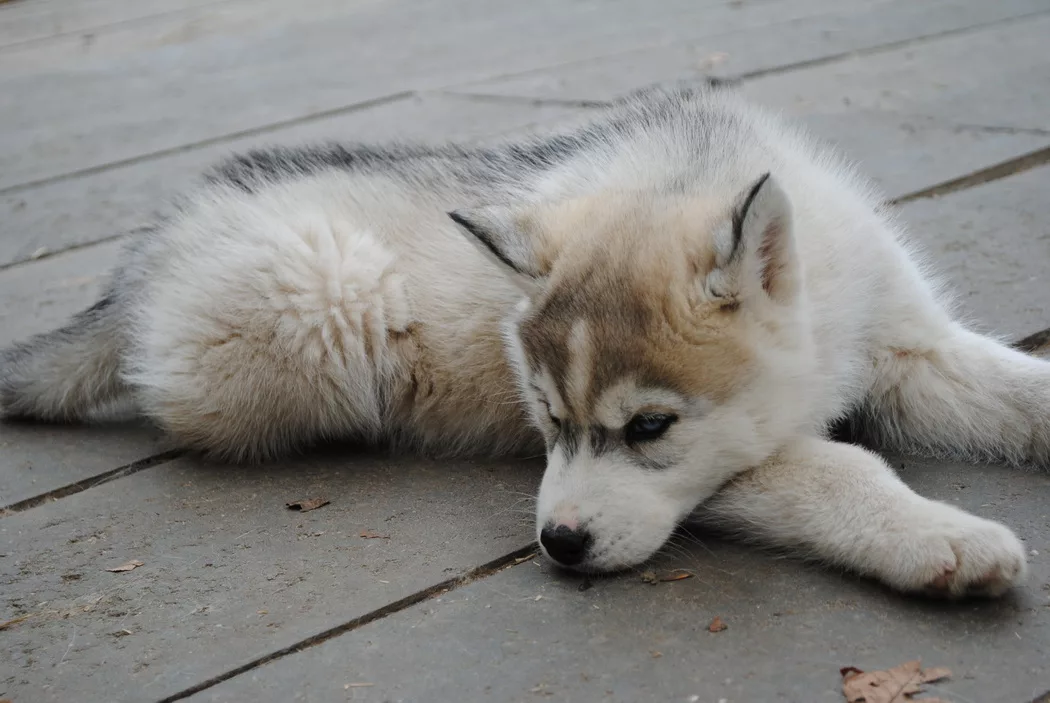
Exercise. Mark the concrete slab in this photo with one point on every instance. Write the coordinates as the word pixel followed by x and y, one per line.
pixel 841 29
pixel 150 25
pixel 98 205
pixel 530 634
pixel 997 77
pixel 901 152
pixel 221 85
pixel 35 459
pixel 229 573
pixel 904 154
pixel 38 296
pixel 992 243
pixel 38 460
pixel 22 22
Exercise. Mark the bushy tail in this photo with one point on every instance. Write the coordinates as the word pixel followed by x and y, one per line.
pixel 65 374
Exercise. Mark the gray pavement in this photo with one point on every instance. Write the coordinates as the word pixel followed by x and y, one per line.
pixel 408 585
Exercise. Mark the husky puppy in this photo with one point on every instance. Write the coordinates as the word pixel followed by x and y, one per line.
pixel 675 300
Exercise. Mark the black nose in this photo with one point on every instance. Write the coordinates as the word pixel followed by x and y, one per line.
pixel 564 544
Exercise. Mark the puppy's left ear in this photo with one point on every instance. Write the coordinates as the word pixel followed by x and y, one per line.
pixel 760 258
pixel 510 238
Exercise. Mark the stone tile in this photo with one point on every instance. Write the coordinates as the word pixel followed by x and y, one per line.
pixel 229 573
pixel 903 154
pixel 997 77
pixel 529 633
pixel 98 205
pixel 29 21
pixel 992 244
pixel 195 90
pixel 38 296
pixel 38 459
pixel 815 33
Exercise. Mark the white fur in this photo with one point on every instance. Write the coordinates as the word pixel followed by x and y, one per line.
pixel 333 301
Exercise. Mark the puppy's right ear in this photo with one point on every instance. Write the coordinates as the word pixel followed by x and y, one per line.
pixel 508 237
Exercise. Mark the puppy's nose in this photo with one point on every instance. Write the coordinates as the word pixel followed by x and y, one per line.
pixel 564 544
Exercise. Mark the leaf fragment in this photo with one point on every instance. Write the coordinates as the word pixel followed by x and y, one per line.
pixel 896 685
pixel 307 504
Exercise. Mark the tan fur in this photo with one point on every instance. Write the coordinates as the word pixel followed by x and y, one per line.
pixel 629 264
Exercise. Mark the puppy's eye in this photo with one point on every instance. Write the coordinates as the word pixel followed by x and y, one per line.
pixel 644 428
pixel 555 421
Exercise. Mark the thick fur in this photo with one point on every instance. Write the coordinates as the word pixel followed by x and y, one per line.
pixel 685 259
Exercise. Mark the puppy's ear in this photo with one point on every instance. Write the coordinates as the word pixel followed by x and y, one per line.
pixel 759 258
pixel 510 238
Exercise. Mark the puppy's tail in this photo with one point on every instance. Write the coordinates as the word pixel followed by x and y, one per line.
pixel 62 375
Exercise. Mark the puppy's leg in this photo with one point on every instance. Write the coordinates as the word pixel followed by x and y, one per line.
pixel 841 504
pixel 959 393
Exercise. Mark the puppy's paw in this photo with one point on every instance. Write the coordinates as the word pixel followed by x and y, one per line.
pixel 948 553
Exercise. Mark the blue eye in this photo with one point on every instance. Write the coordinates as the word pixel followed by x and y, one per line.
pixel 643 428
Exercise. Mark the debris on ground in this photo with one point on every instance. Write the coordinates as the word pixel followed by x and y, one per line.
pixel 653 577
pixel 307 504
pixel 127 566
pixel 367 534
pixel 896 685
pixel 717 625
pixel 347 686
pixel 585 585
pixel 14 621
pixel 522 560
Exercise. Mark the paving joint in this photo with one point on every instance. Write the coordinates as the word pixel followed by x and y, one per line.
pixel 96 480
pixel 889 46
pixel 211 141
pixel 515 558
pixel 105 28
pixel 1003 169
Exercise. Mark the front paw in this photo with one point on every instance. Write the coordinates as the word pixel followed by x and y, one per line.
pixel 946 552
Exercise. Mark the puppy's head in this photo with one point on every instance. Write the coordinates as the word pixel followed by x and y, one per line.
pixel 661 346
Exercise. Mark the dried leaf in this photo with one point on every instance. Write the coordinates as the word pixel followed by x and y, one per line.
pixel 373 535
pixel 129 566
pixel 13 621
pixel 307 504
pixel 896 685
pixel 653 577
pixel 717 625
pixel 676 575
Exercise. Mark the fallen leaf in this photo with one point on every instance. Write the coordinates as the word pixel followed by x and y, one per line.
pixel 121 633
pixel 307 504
pixel 676 575
pixel 374 535
pixel 896 685
pixel 717 625
pixel 656 655
pixel 13 621
pixel 654 578
pixel 129 566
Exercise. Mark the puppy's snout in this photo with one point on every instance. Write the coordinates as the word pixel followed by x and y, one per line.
pixel 564 544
